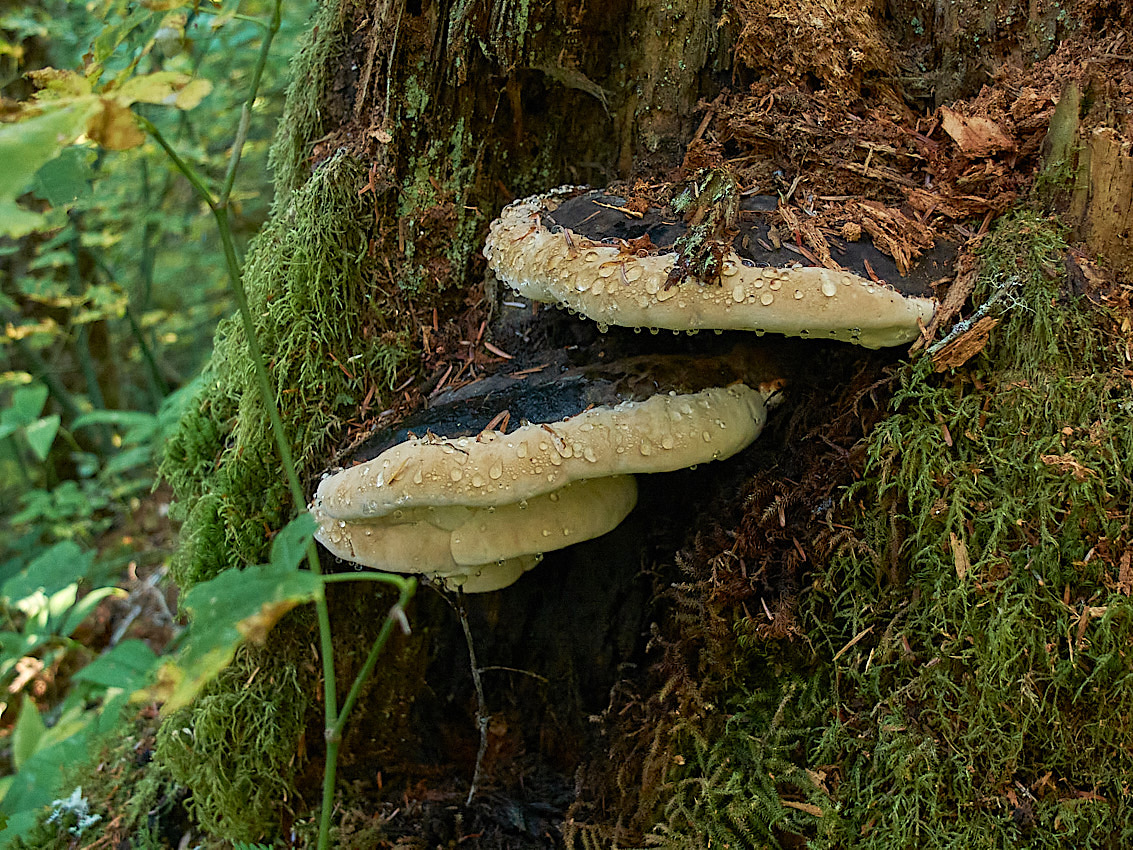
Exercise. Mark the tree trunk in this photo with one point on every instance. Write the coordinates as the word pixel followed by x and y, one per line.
pixel 598 660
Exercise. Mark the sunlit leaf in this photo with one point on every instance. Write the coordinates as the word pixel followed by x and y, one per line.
pixel 234 606
pixel 115 127
pixel 41 434
pixel 55 84
pixel 27 733
pixel 163 87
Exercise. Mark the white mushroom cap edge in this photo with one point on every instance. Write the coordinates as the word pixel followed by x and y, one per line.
pixel 615 287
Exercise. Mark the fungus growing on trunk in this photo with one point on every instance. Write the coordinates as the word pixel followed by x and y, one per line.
pixel 479 511
pixel 622 284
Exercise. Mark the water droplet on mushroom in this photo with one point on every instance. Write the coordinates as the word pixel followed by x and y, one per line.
pixel 455 474
pixel 667 441
pixel 769 274
pixel 477 480
pixel 798 294
pixel 523 504
pixel 603 327
pixel 592 256
pixel 496 470
pixel 829 288
pixel 588 453
pixel 654 331
pixel 607 269
pixel 554 497
pixel 546 532
pixel 633 272
pixel 766 298
pixel 521 450
pixel 729 270
pixel 738 293
pixel 653 285
pixel 776 285
pixel 707 435
pixel 646 446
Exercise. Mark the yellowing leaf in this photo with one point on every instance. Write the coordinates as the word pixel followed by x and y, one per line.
pixel 256 627
pixel 235 606
pixel 54 84
pixel 192 94
pixel 162 87
pixel 114 127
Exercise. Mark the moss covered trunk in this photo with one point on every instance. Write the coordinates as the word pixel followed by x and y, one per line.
pixel 750 614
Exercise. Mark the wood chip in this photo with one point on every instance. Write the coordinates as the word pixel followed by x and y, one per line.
pixel 966 346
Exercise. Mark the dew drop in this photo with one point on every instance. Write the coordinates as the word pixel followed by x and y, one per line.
pixel 776 285
pixel 798 294
pixel 829 288
pixel 707 436
pixel 496 470
pixel 523 504
pixel 766 298
pixel 667 441
pixel 477 480
pixel 455 474
pixel 738 293
pixel 521 450
pixel 646 446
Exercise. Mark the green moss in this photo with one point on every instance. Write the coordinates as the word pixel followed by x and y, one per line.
pixel 302 120
pixel 967 680
pixel 236 747
pixel 313 300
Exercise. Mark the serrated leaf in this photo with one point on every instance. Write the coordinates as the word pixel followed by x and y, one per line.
pixel 115 127
pixel 24 147
pixel 41 434
pixel 290 544
pixel 234 606
pixel 27 733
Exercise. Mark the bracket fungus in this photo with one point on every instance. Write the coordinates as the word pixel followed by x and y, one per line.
pixel 479 511
pixel 620 284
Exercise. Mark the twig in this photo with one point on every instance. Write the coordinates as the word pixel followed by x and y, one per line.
pixel 482 716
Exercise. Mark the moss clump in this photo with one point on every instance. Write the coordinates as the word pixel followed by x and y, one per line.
pixel 320 324
pixel 237 747
pixel 966 679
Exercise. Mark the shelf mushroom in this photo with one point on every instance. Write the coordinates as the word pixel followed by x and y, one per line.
pixel 614 284
pixel 478 511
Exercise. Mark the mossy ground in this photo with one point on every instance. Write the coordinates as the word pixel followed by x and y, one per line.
pixel 965 677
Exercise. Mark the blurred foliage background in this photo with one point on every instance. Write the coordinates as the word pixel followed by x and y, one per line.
pixel 111 287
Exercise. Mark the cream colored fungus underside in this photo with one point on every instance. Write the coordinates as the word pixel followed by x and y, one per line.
pixel 616 287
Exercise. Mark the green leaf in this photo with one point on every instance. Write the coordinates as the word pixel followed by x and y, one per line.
pixel 67 178
pixel 27 404
pixel 139 426
pixel 28 732
pixel 41 434
pixel 63 564
pixel 24 147
pixel 290 545
pixel 85 606
pixel 235 606
pixel 127 666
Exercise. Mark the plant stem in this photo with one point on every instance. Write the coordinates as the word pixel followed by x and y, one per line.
pixel 219 207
